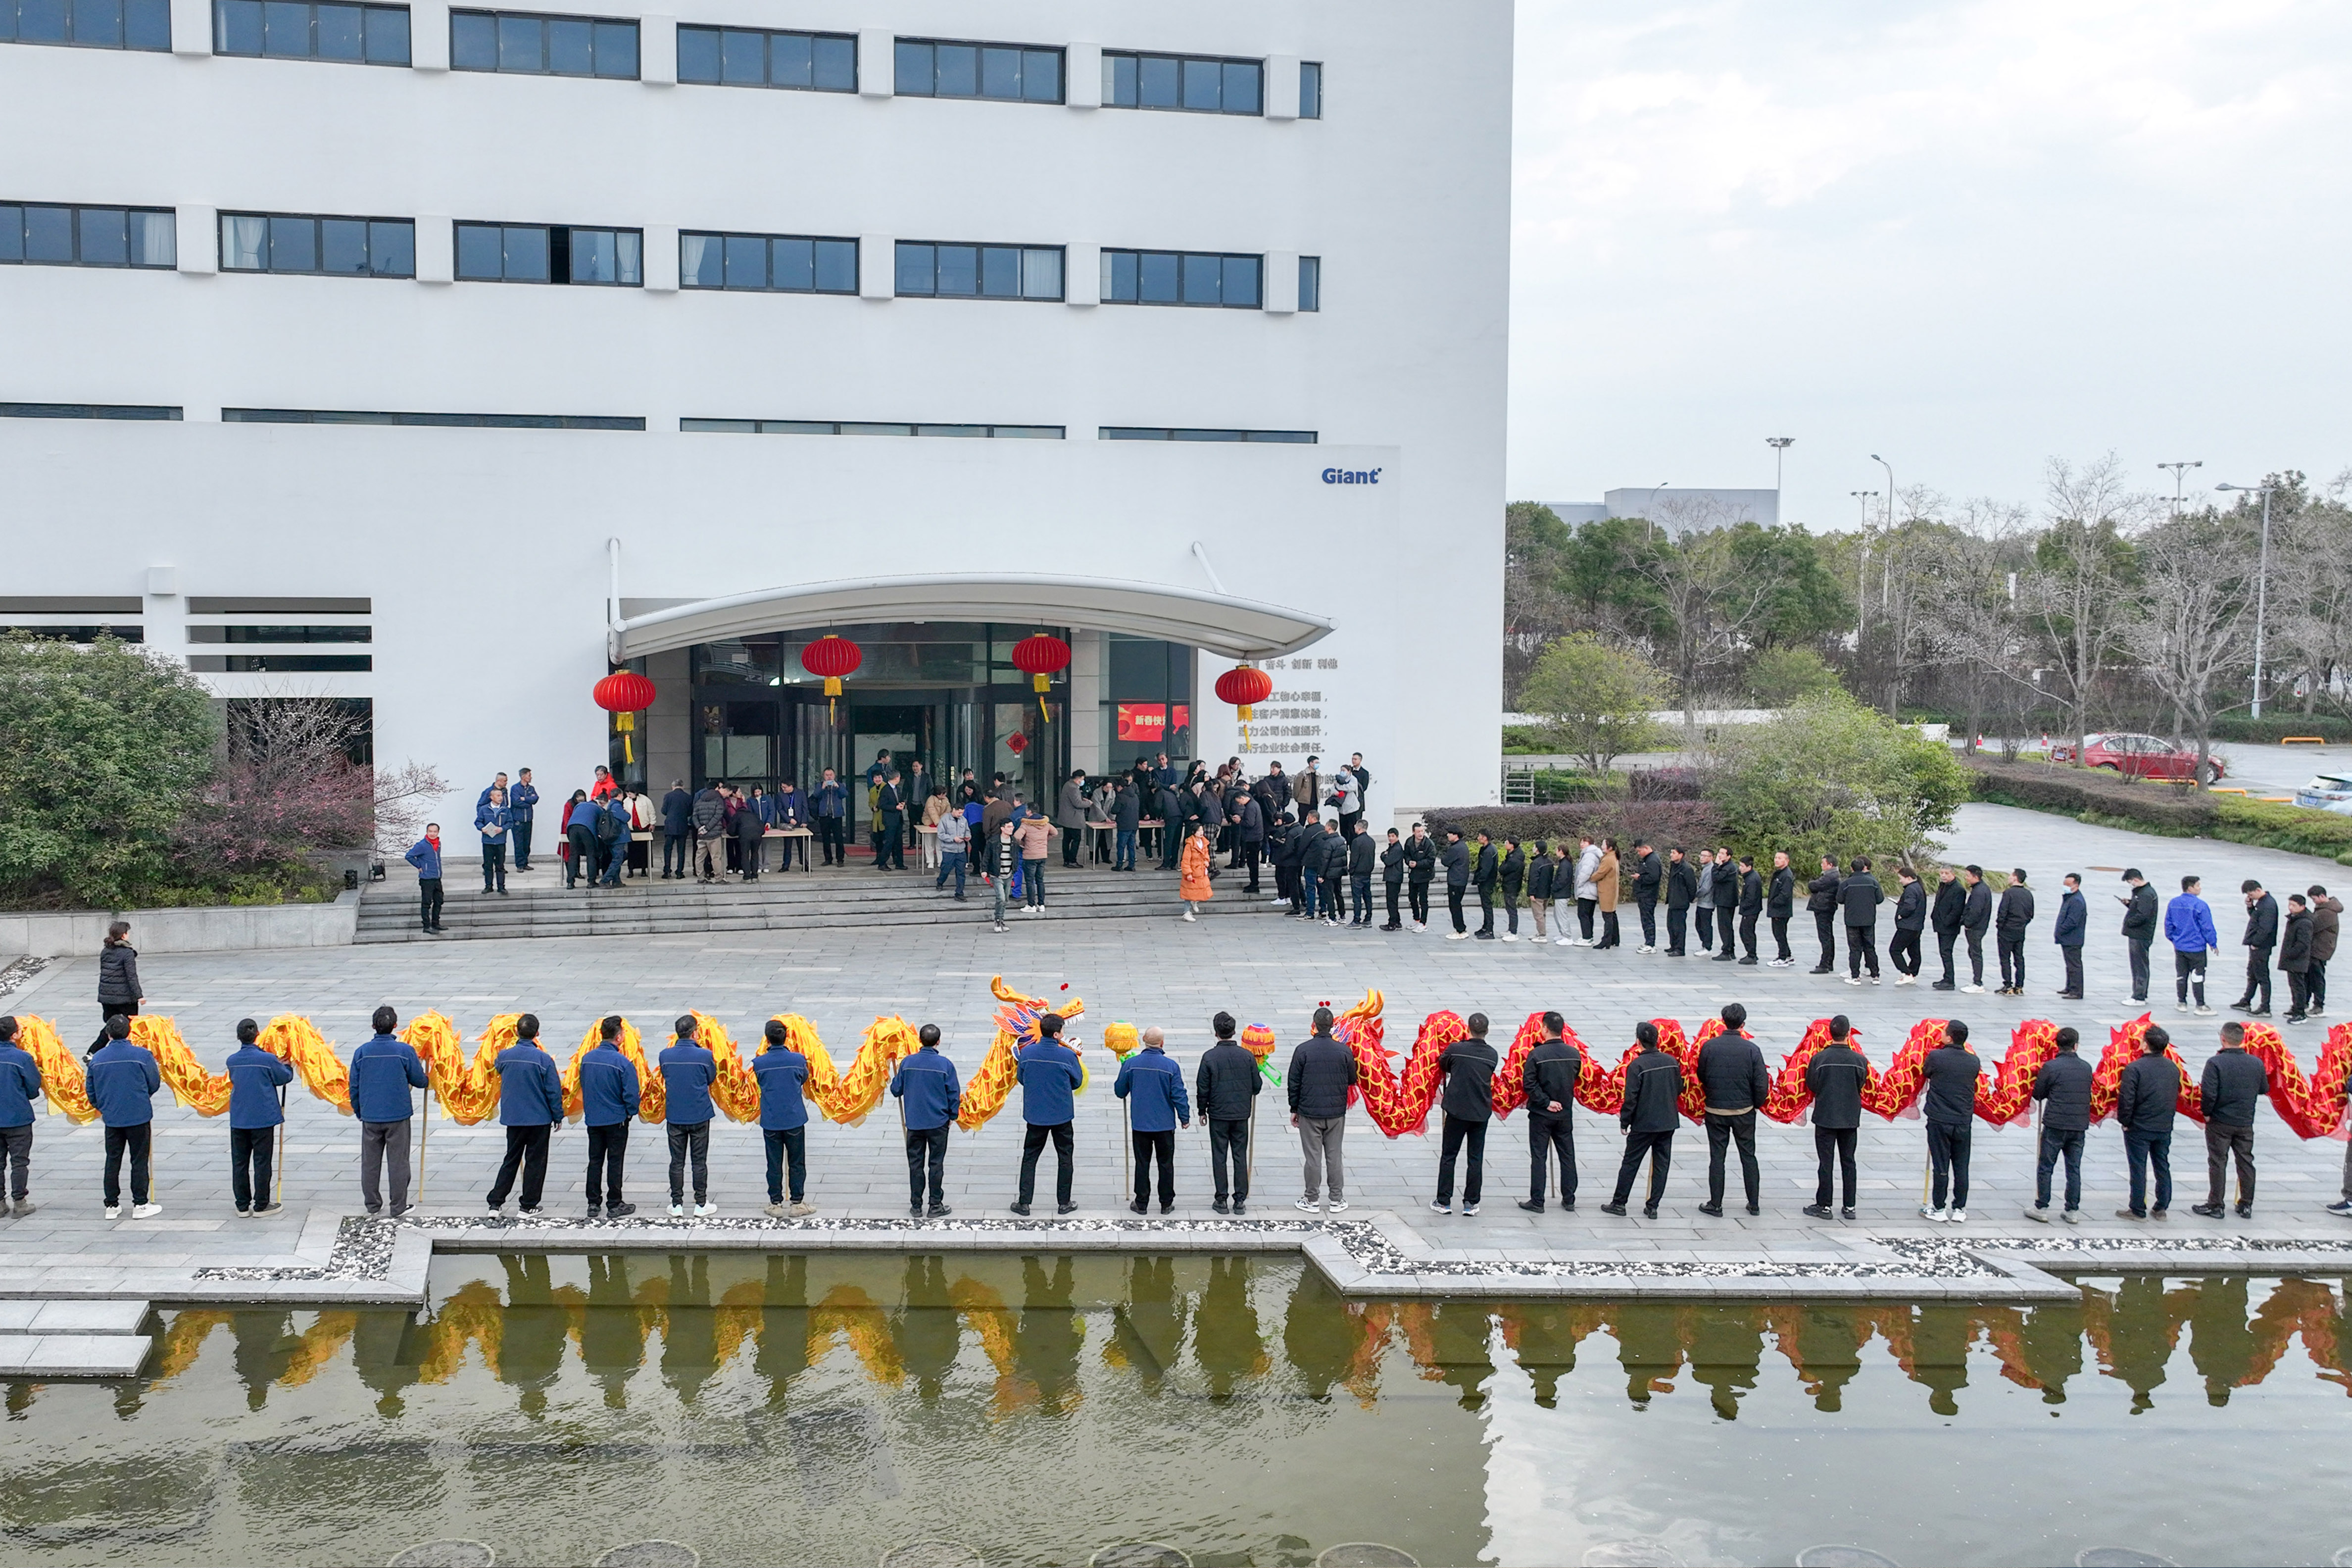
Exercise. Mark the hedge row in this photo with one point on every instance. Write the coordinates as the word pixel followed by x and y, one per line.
pixel 1663 823
pixel 2272 728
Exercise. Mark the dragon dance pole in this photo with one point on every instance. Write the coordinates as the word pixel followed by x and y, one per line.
pixel 425 1140
pixel 280 1196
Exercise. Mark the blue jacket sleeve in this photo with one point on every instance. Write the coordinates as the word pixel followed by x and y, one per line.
pixel 898 1081
pixel 153 1076
pixel 955 1092
pixel 1176 1087
pixel 551 1082
pixel 413 1065
pixel 278 1072
pixel 1125 1074
pixel 632 1094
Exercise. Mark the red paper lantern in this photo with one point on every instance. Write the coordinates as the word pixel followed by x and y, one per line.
pixel 1039 657
pixel 832 657
pixel 623 692
pixel 1244 686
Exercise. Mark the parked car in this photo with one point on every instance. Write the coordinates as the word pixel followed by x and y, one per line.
pixel 2140 756
pixel 2329 792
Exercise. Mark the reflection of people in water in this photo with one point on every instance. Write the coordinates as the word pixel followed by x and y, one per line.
pixel 1225 1338
pixel 1149 1326
pixel 784 1353
pixel 613 1331
pixel 1828 1353
pixel 2220 1341
pixel 1320 1332
pixel 1650 1348
pixel 1544 1338
pixel 2051 1340
pixel 1458 1331
pixel 1939 1354
pixel 382 1357
pixel 265 1348
pixel 1047 1345
pixel 1726 1350
pixel 531 1345
pixel 927 1330
pixel 2139 1358
pixel 689 1328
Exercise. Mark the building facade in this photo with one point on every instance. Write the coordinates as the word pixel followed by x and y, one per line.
pixel 444 359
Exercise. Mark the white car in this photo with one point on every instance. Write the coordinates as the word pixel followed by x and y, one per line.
pixel 2329 792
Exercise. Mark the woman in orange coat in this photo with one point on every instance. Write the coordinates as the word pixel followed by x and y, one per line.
pixel 1192 870
pixel 1604 882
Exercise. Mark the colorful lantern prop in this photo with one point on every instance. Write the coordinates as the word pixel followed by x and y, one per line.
pixel 624 694
pixel 1244 686
pixel 1039 657
pixel 832 657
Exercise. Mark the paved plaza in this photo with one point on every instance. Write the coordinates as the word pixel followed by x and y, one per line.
pixel 1161 971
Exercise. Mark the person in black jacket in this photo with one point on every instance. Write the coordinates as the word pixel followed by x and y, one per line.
pixel 1226 1089
pixel 1393 860
pixel 1363 855
pixel 1751 906
pixel 1975 915
pixel 1306 844
pixel 1860 896
pixel 2295 958
pixel 1513 877
pixel 1951 899
pixel 2139 930
pixel 1682 892
pixel 1731 1073
pixel 1322 1071
pixel 1951 1102
pixel 1457 881
pixel 1910 924
pixel 1336 852
pixel 2233 1084
pixel 1653 1087
pixel 1725 890
pixel 1486 869
pixel 1550 1075
pixel 118 991
pixel 2145 1101
pixel 2262 936
pixel 1822 902
pixel 1540 869
pixel 2064 1087
pixel 1834 1077
pixel 678 830
pixel 1649 874
pixel 1780 904
pixel 2014 914
pixel 1466 1070
pixel 1420 865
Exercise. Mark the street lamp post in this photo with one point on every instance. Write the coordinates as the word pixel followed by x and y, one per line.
pixel 2262 583
pixel 1780 444
pixel 1862 568
pixel 1886 582
pixel 1649 524
pixel 2178 471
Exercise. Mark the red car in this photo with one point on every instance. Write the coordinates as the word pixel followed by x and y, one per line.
pixel 2140 756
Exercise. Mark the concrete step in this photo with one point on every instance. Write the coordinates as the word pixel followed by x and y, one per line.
pixel 72 1318
pixel 72 1355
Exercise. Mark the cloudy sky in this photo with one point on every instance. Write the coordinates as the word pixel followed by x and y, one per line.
pixel 1968 235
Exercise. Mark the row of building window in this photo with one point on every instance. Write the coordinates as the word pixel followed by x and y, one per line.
pixel 346 246
pixel 533 44
pixel 88 237
pixel 868 427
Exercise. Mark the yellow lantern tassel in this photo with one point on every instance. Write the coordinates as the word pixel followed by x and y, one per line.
pixel 832 691
pixel 1041 684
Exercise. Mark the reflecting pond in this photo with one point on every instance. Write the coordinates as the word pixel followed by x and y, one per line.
pixel 828 1409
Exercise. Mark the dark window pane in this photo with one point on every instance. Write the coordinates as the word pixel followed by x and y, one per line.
pixel 286 29
pixel 837 266
pixel 343 244
pixel 473 42
pixel 236 27
pixel 595 256
pixel 41 21
pixel 915 275
pixel 391 250
pixel 1156 278
pixel 793 265
pixel 742 58
pixel 338 33
pixel 1000 271
pixel 387 36
pixel 959 70
pixel 1202 278
pixel 1156 83
pixel 788 59
pixel 836 65
pixel 98 22
pixel 479 247
pixel 1041 76
pixel 1203 84
pixel 147 23
pixel 616 50
pixel 1000 73
pixel 1123 82
pixel 1122 277
pixel 48 234
pixel 520 44
pixel 1240 281
pixel 746 262
pixel 913 69
pixel 1241 88
pixel 1310 283
pixel 526 254
pixel 104 240
pixel 958 269
pixel 1310 90
pixel 293 245
pixel 571 46
pixel 700 261
pixel 697 54
pixel 12 234
pixel 953 430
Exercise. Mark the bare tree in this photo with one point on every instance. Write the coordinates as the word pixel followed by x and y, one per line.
pixel 1709 599
pixel 2077 593
pixel 2196 625
pixel 1965 614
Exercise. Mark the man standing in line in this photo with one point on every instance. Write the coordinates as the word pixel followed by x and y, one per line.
pixel 687 1070
pixel 1588 891
pixel 1172 813
pixel 955 846
pixel 1457 881
pixel 491 820
pixel 2189 927
pixel 677 831
pixel 384 1068
pixel 1393 860
pixel 2233 1084
pixel 1682 892
pixel 1227 1087
pixel 1070 816
pixel 1513 879
pixel 1049 1074
pixel 1649 873
pixel 892 804
pixel 255 1112
pixel 1004 850
pixel 829 803
pixel 1421 865
pixel 20 1086
pixel 1153 1088
pixel 522 801
pixel 1910 924
pixel 1540 873
pixel 1549 1075
pixel 1725 889
pixel 1362 855
pixel 2262 937
pixel 1976 917
pixel 1465 1072
pixel 1322 1071
pixel 1249 835
pixel 782 1074
pixel 1126 813
pixel 1653 1086
pixel 1951 1101
pixel 121 1079
pixel 1822 902
pixel 709 832
pixel 2072 925
pixel 530 1102
pixel 1347 800
pixel 2008 925
pixel 2295 958
pixel 1834 1077
pixel 425 856
pixel 610 1095
pixel 927 1084
pixel 1951 903
pixel 1861 895
pixel 2140 928
pixel 1732 1076
pixel 1780 904
pixel 2064 1087
pixel 1361 794
pixel 2145 1101
pixel 1563 888
pixel 1751 905
pixel 2326 917
pixel 1486 869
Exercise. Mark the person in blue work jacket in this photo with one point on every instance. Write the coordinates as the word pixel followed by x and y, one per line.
pixel 1153 1088
pixel 689 1069
pixel 122 1081
pixel 425 856
pixel 384 1070
pixel 782 1074
pixel 530 1102
pixel 2189 927
pixel 491 820
pixel 929 1095
pixel 255 1110
pixel 20 1085
pixel 1049 1074
pixel 609 1097
pixel 519 803
pixel 2074 925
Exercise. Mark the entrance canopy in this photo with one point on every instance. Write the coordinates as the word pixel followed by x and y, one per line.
pixel 1220 623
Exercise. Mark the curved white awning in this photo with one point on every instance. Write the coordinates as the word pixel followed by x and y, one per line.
pixel 1237 628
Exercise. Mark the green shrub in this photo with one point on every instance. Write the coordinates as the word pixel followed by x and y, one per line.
pixel 2272 728
pixel 2173 809
pixel 1830 776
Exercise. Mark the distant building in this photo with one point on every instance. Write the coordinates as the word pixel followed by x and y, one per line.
pixel 1676 510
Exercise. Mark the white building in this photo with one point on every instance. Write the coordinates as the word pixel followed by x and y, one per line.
pixel 1676 510
pixel 448 358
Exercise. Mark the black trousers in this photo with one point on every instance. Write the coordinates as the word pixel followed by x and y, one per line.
pixel 830 839
pixel 927 1155
pixel 2298 992
pixel 1825 926
pixel 1976 957
pixel 16 1150
pixel 106 1010
pixel 1947 1157
pixel 2139 947
pixel 2141 1151
pixel 521 831
pixel 1904 949
pixel 428 901
pixel 1834 1142
pixel 1860 948
pixel 1416 897
pixel 677 854
pixel 2073 957
pixel 1229 1146
pixel 1460 1131
pixel 1149 1146
pixel 1359 888
pixel 1550 1135
pixel 2223 1146
pixel 526 1150
pixel 2258 978
pixel 136 1142
pixel 1747 933
pixel 1070 837
pixel 1780 938
pixel 1659 1148
pixel 1677 928
pixel 1945 941
pixel 494 867
pixel 691 1141
pixel 893 840
pixel 2188 969
pixel 2056 1144
pixel 1486 908
pixel 1721 1132
pixel 1033 1144
pixel 1705 926
pixel 1250 852
pixel 583 862
pixel 2318 983
pixel 1585 908
pixel 1395 890
pixel 1649 908
pixel 2011 952
pixel 608 1149
pixel 787 1151
pixel 249 1151
pixel 1454 907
